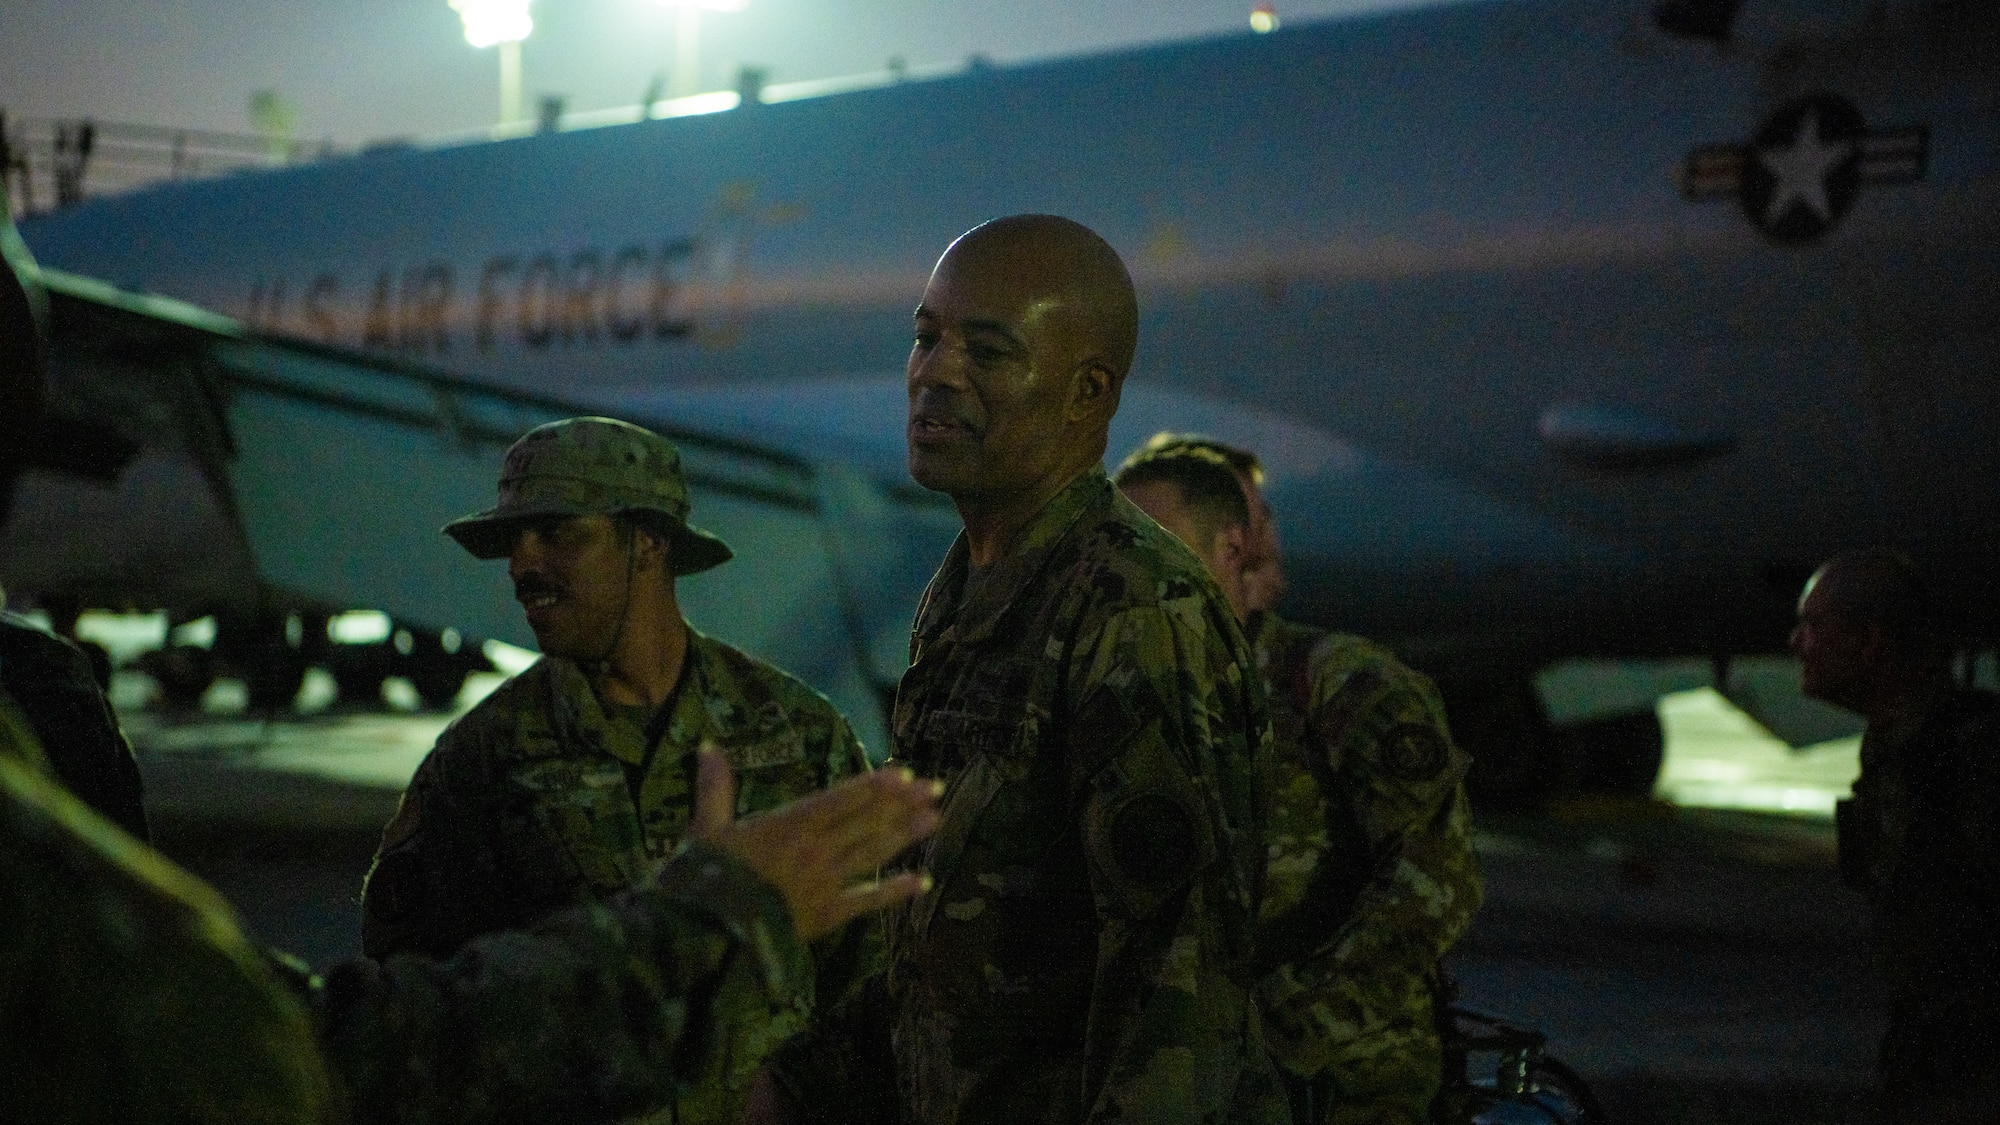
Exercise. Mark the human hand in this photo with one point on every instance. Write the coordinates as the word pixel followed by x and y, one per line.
pixel 815 849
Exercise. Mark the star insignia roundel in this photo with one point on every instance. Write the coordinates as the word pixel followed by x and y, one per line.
pixel 1804 168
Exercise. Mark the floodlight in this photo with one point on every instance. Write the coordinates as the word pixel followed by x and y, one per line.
pixel 687 38
pixel 491 22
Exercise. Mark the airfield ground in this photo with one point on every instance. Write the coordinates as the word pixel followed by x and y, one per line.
pixel 1694 964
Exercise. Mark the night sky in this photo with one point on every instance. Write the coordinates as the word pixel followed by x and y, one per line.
pixel 363 70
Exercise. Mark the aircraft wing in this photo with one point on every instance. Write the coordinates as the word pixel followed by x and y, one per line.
pixel 267 470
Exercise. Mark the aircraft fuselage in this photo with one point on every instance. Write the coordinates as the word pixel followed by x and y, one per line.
pixel 1555 330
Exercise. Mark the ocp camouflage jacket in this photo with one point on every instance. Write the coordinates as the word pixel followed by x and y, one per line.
pixel 536 800
pixel 1093 707
pixel 1371 875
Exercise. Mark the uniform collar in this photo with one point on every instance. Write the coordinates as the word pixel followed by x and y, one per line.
pixel 712 702
pixel 970 606
pixel 580 718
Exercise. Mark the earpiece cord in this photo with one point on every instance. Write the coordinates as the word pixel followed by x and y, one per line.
pixel 625 608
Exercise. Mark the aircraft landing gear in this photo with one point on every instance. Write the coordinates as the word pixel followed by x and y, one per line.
pixel 184 673
pixel 268 650
pixel 435 663
pixel 438 672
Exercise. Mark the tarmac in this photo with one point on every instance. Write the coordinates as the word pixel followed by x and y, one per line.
pixel 1694 964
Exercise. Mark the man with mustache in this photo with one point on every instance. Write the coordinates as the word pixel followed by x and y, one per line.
pixel 574 779
pixel 1077 681
pixel 1371 875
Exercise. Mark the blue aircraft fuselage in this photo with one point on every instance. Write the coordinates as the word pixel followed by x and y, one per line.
pixel 1556 330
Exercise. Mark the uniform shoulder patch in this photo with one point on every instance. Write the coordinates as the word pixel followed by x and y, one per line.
pixel 1415 752
pixel 1145 847
pixel 1112 716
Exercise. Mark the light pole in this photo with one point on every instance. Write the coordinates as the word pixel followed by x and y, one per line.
pixel 687 40
pixel 502 24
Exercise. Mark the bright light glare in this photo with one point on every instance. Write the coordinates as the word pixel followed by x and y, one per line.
pixel 719 101
pixel 359 627
pixel 510 659
pixel 123 635
pixel 490 22
pixel 710 5
pixel 1264 17
pixel 199 633
pixel 1718 757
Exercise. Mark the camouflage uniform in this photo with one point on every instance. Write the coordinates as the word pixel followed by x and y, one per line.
pixel 131 994
pixel 1092 706
pixel 47 688
pixel 541 797
pixel 1921 838
pixel 1371 875
pixel 538 799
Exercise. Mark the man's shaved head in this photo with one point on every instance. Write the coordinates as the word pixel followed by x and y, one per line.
pixel 1864 631
pixel 1878 587
pixel 1071 265
pixel 1022 343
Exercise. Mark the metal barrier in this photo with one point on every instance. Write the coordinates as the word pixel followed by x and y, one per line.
pixel 48 163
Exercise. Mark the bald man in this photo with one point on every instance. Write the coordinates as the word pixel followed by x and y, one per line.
pixel 1080 683
pixel 1921 835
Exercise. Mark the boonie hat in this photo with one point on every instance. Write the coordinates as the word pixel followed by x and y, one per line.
pixel 588 467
